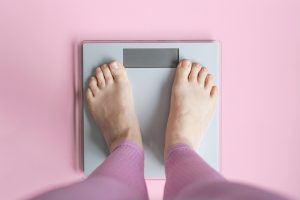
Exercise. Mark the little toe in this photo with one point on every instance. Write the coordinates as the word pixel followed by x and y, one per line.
pixel 89 95
pixel 214 91
pixel 117 70
pixel 193 76
pixel 183 70
pixel 93 85
pixel 202 75
pixel 107 74
pixel 100 77
pixel 209 81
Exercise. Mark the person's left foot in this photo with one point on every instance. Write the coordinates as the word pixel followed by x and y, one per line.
pixel 110 102
pixel 193 102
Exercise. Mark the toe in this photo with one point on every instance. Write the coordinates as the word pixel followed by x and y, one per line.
pixel 89 95
pixel 93 85
pixel 117 70
pixel 202 75
pixel 107 74
pixel 193 76
pixel 183 70
pixel 214 91
pixel 100 77
pixel 209 81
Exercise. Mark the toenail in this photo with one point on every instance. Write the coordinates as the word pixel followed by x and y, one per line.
pixel 115 65
pixel 103 66
pixel 186 63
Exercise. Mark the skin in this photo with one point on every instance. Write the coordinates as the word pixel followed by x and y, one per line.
pixel 193 101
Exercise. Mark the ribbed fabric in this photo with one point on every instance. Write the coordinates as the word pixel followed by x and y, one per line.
pixel 189 177
pixel 120 176
pixel 183 167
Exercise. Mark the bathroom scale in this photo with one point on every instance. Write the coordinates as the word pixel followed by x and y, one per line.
pixel 151 68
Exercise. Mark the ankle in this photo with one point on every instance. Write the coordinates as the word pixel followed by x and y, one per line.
pixel 130 134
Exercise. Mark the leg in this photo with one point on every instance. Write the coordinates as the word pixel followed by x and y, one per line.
pixel 109 180
pixel 190 177
pixel 193 102
pixel 121 175
pixel 184 168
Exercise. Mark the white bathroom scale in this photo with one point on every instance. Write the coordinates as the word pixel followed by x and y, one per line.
pixel 151 67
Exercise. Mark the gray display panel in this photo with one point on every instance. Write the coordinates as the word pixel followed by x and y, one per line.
pixel 151 57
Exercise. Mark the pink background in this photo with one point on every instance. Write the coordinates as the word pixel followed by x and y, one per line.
pixel 260 83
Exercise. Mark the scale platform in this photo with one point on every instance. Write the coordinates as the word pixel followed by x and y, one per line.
pixel 151 67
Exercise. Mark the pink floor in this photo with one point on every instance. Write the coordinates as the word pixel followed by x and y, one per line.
pixel 260 83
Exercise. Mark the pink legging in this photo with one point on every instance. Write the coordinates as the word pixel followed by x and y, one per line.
pixel 121 176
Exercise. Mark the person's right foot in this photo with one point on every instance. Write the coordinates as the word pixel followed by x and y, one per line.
pixel 193 101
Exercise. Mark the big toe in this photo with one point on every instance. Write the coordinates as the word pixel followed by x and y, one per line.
pixel 183 70
pixel 118 71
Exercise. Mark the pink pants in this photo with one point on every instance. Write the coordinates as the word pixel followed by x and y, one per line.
pixel 121 176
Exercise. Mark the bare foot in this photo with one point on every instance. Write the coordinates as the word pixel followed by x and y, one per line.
pixel 193 102
pixel 110 102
